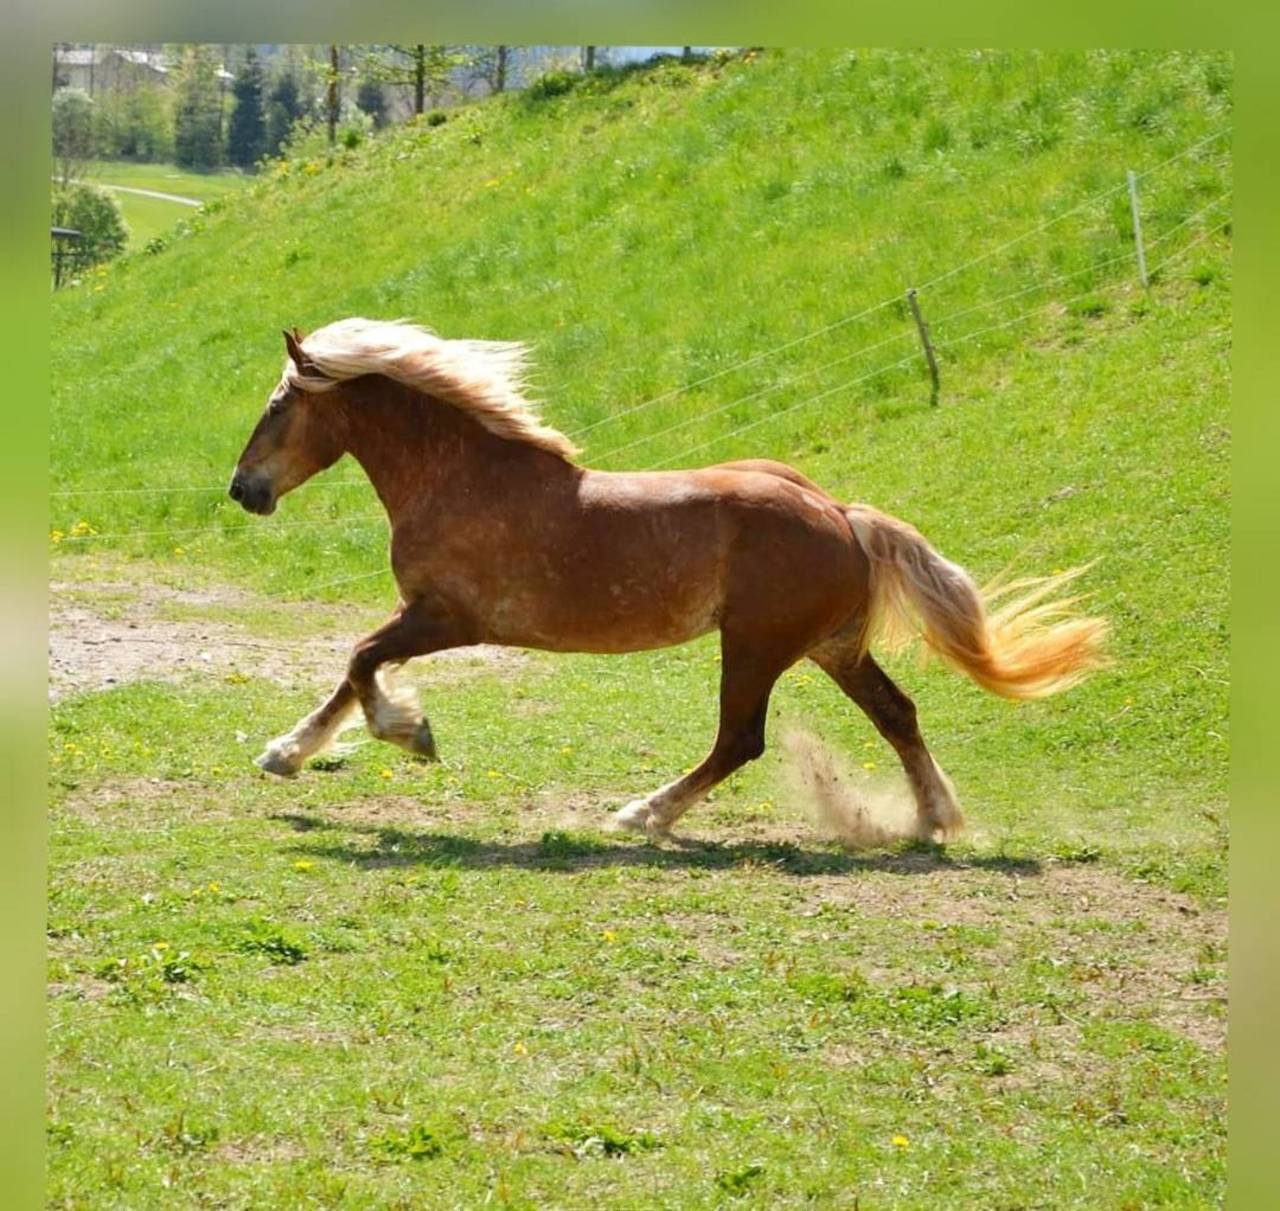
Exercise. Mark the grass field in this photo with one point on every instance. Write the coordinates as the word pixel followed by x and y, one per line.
pixel 148 217
pixel 401 985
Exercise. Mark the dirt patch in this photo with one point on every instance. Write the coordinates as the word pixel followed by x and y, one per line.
pixel 148 802
pixel 81 987
pixel 260 1150
pixel 107 633
pixel 1138 949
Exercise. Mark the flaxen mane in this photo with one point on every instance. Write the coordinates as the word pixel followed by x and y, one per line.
pixel 484 378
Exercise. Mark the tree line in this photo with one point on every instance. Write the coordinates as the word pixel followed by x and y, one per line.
pixel 221 107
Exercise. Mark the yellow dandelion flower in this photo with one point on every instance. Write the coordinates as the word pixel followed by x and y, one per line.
pixel 900 1141
pixel 215 886
pixel 56 536
pixel 179 550
pixel 568 748
pixel 159 945
pixel 609 936
pixel 520 1049
pixel 868 765
pixel 303 864
pixel 385 773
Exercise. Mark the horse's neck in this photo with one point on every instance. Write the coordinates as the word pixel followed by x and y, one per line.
pixel 415 449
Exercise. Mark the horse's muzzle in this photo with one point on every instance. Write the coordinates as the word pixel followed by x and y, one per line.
pixel 252 493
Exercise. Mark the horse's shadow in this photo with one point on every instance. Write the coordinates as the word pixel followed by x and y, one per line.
pixel 572 851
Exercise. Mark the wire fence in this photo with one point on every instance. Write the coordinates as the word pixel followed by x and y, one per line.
pixel 215 527
pixel 212 528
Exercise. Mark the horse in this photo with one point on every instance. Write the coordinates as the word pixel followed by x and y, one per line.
pixel 499 536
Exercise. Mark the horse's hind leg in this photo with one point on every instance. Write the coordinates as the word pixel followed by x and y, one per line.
pixel 286 754
pixel 894 714
pixel 746 680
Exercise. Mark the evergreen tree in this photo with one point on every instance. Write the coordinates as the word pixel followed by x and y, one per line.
pixel 283 109
pixel 247 135
pixel 372 100
pixel 197 119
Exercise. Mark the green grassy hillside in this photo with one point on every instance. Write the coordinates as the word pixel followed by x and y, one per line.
pixel 460 989
pixel 643 233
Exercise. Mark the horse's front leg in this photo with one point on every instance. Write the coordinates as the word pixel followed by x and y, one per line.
pixel 286 754
pixel 392 712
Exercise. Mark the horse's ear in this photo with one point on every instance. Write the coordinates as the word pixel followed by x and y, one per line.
pixel 293 343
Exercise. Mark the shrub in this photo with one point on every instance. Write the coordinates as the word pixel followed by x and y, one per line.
pixel 73 142
pixel 554 83
pixel 96 215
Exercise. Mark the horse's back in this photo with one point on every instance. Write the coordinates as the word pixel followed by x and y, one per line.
pixel 776 543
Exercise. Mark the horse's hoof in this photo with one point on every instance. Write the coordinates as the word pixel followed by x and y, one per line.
pixel 939 832
pixel 639 817
pixel 274 761
pixel 634 818
pixel 422 743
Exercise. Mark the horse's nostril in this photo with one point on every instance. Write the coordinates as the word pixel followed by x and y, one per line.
pixel 236 490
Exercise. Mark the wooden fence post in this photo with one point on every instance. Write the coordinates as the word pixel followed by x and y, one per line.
pixel 928 345
pixel 1137 229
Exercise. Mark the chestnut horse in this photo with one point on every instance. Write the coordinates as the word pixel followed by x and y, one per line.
pixel 498 536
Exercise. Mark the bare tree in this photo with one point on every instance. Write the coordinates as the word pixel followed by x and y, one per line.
pixel 489 66
pixel 424 68
pixel 331 95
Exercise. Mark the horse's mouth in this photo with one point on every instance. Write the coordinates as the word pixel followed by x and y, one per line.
pixel 252 495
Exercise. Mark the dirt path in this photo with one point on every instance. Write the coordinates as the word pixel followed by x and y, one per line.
pixel 106 633
pixel 149 193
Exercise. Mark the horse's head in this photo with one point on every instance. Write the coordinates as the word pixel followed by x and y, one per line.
pixel 297 436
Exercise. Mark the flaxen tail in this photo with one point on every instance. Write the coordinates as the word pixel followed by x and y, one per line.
pixel 1014 638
